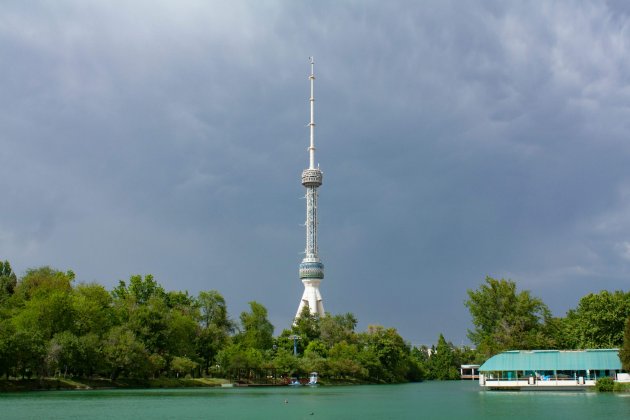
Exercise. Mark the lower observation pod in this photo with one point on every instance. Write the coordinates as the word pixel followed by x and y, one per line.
pixel 311 270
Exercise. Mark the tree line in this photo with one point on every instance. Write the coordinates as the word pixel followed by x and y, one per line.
pixel 52 325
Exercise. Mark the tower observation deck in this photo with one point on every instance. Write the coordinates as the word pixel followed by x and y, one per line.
pixel 311 267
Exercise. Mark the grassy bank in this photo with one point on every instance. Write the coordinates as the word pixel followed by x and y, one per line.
pixel 622 387
pixel 345 381
pixel 50 384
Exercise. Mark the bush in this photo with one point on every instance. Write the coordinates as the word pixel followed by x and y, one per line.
pixel 182 365
pixel 605 384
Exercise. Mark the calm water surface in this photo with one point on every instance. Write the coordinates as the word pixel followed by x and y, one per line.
pixel 430 400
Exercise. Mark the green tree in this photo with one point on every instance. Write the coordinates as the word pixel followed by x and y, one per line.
pixel 42 281
pixel 561 331
pixel 164 323
pixel 157 363
pixel 7 347
pixel 213 310
pixel 215 326
pixel 91 309
pixel 181 333
pixel 183 366
pixel 285 362
pixel 43 308
pixel 124 354
pixel 306 326
pixel 8 281
pixel 149 323
pixel 182 302
pixel 257 331
pixel 140 289
pixel 420 357
pixel 624 353
pixel 391 351
pixel 442 361
pixel 466 356
pixel 29 350
pixel 315 358
pixel 90 354
pixel 236 358
pixel 209 342
pixel 505 319
pixel 316 348
pixel 599 320
pixel 47 313
pixel 337 328
pixel 345 360
pixel 63 353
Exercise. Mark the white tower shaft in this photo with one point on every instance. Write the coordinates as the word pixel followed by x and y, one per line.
pixel 311 268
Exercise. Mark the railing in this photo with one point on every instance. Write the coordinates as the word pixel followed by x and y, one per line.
pixel 535 382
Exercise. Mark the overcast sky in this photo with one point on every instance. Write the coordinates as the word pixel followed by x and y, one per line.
pixel 457 139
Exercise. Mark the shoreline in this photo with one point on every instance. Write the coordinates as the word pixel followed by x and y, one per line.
pixel 76 384
pixel 71 384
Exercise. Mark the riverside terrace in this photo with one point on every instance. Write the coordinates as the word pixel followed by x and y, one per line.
pixel 548 369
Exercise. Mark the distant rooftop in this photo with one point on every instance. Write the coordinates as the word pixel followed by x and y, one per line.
pixel 538 360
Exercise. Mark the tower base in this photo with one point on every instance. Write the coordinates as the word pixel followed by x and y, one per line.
pixel 311 298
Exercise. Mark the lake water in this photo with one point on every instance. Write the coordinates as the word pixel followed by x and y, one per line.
pixel 429 400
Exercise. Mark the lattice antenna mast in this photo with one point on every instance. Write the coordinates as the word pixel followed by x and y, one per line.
pixel 311 178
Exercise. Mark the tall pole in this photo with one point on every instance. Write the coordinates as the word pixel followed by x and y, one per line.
pixel 295 339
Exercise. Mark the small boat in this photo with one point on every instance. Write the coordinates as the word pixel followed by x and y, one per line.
pixel 295 382
pixel 312 380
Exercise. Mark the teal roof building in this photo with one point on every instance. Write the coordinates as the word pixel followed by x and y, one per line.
pixel 559 360
pixel 549 369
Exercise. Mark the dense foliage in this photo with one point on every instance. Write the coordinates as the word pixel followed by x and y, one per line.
pixel 505 319
pixel 605 384
pixel 598 321
pixel 624 353
pixel 50 325
pixel 442 362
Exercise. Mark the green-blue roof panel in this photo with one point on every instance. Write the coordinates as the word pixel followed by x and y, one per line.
pixel 553 360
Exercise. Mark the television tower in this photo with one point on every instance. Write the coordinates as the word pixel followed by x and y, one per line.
pixel 311 267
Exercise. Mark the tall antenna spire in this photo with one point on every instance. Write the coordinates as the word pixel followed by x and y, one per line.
pixel 311 148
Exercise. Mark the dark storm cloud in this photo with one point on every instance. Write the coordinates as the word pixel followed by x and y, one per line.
pixel 457 140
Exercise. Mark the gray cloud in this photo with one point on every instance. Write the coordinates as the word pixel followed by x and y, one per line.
pixel 457 140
